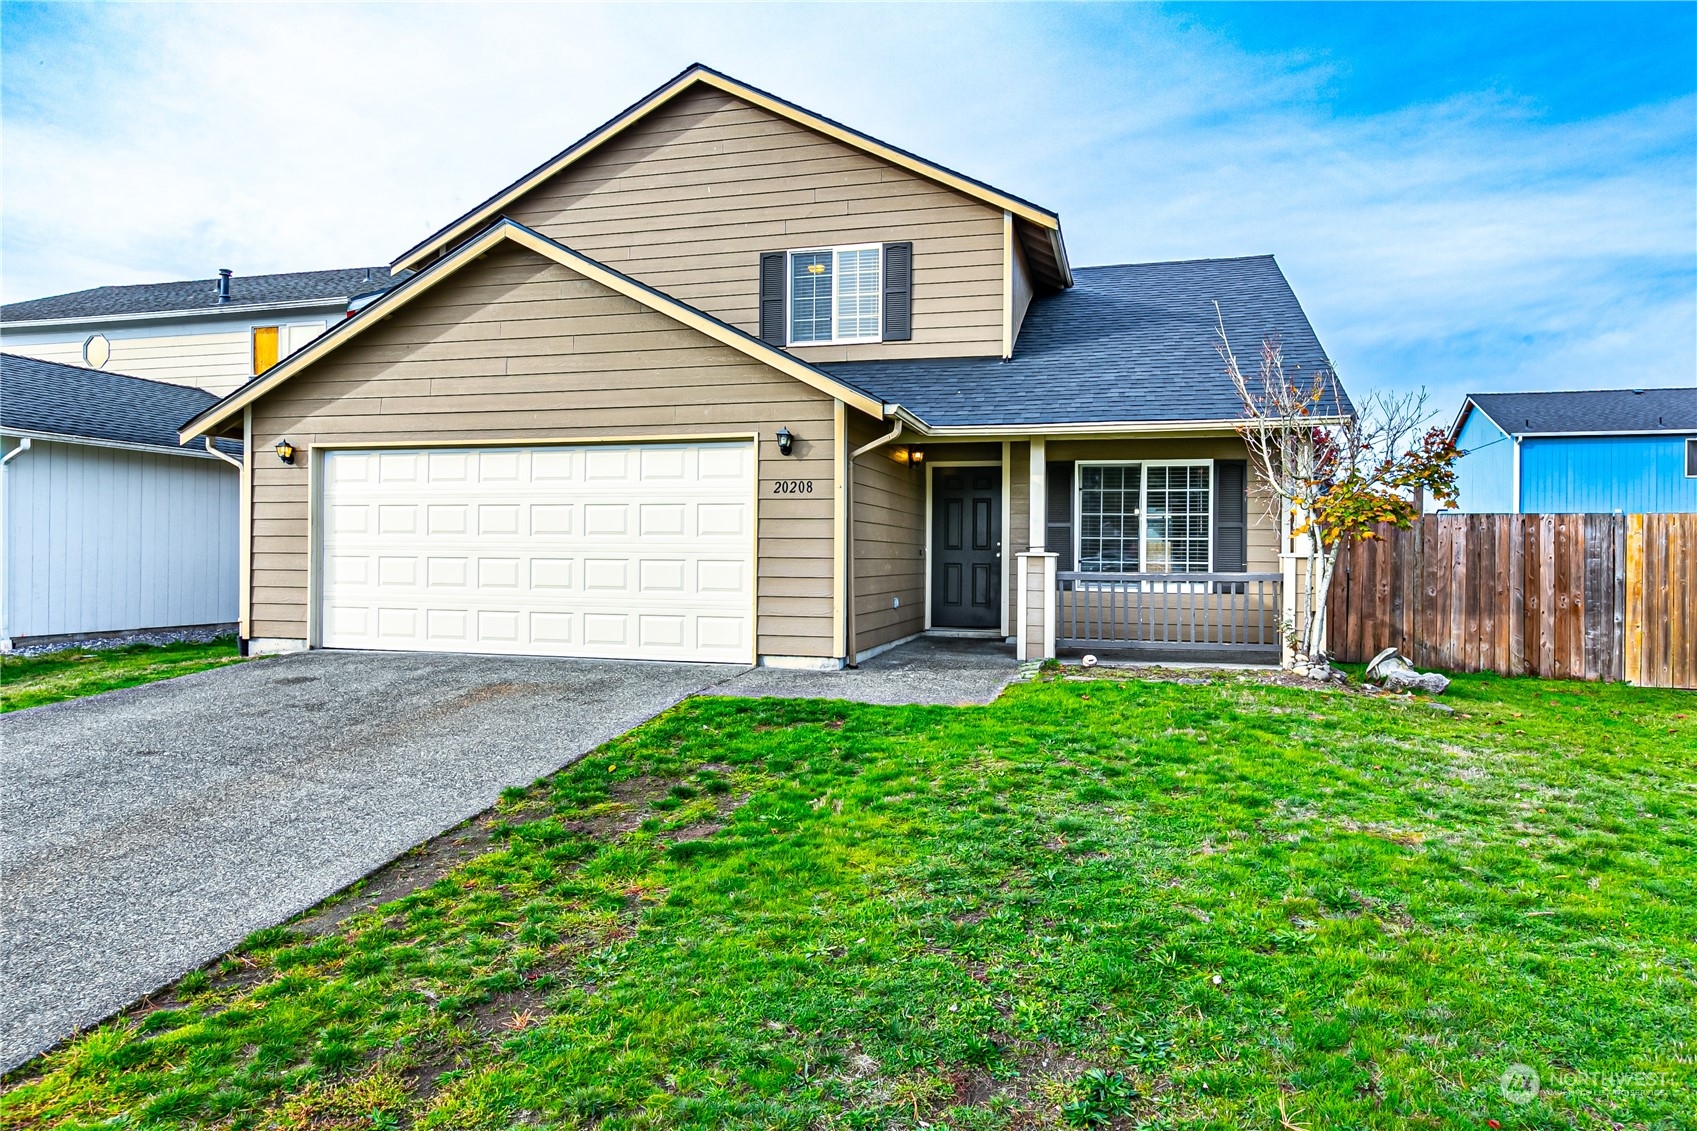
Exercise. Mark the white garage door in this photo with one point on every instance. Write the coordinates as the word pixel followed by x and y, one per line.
pixel 627 552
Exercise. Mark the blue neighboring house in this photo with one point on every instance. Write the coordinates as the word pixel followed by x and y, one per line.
pixel 1632 451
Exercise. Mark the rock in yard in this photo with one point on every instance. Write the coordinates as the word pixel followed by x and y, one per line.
pixel 1406 679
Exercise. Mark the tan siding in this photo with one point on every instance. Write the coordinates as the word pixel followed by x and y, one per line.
pixel 1021 289
pixel 520 348
pixel 687 200
pixel 889 540
pixel 1017 536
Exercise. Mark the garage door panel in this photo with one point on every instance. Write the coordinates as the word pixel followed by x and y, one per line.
pixel 632 551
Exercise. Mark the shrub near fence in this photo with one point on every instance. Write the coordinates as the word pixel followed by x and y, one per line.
pixel 1564 596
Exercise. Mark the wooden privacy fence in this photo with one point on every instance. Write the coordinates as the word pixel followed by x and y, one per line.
pixel 1564 596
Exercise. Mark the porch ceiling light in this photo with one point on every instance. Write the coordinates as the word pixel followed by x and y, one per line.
pixel 786 441
pixel 285 451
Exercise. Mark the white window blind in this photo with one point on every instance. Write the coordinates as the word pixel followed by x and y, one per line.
pixel 1177 519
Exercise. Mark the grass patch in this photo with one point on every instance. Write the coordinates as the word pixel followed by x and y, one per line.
pixel 1104 903
pixel 31 681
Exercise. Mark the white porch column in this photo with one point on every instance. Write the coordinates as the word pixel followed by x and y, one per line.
pixel 1036 575
pixel 1038 504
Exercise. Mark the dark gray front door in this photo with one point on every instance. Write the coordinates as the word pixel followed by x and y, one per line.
pixel 966 547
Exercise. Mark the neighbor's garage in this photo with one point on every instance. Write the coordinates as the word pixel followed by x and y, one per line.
pixel 617 551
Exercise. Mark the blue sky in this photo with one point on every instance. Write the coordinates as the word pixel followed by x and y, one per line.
pixel 1465 197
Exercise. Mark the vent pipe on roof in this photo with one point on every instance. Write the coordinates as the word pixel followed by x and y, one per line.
pixel 224 274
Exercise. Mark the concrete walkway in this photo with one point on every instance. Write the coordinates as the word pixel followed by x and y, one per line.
pixel 932 669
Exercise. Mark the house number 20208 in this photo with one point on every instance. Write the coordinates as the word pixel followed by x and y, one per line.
pixel 793 487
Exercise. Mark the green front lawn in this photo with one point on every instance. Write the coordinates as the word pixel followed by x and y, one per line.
pixel 1138 903
pixel 30 681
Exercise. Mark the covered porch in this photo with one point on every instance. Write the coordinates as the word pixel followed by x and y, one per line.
pixel 1147 544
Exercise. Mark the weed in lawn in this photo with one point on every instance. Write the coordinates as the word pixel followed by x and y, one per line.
pixel 1052 909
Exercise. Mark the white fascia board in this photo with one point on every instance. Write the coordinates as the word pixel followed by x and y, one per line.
pixel 93 321
pixel 1606 432
pixel 1089 429
pixel 95 442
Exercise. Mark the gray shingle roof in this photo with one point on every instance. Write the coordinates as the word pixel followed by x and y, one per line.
pixel 1592 410
pixel 1132 343
pixel 202 294
pixel 68 400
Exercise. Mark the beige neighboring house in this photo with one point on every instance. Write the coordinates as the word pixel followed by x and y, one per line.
pixel 729 381
pixel 212 334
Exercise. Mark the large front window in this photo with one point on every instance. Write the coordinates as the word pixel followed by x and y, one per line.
pixel 836 295
pixel 1149 517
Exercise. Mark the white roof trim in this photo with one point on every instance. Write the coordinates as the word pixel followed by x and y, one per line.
pixel 97 442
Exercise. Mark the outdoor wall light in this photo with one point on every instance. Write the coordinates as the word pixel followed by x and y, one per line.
pixel 285 451
pixel 917 455
pixel 786 440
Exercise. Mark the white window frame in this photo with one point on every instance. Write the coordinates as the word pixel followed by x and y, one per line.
pixel 1142 507
pixel 789 298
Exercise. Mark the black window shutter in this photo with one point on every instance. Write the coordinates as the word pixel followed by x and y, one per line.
pixel 1231 515
pixel 772 313
pixel 898 292
pixel 1058 539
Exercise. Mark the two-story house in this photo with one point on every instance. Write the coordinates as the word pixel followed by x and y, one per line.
pixel 728 380
pixel 212 334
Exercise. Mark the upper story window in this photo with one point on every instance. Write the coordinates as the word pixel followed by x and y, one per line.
pixel 820 296
pixel 1145 517
pixel 836 295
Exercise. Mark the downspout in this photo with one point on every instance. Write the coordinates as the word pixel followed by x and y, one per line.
pixel 1517 509
pixel 850 651
pixel 24 443
pixel 225 456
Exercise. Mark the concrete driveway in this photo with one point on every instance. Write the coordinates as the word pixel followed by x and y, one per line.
pixel 147 831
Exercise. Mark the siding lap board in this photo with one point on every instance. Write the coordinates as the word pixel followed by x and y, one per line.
pixel 539 352
pixel 688 199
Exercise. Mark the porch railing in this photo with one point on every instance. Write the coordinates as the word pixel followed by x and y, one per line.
pixel 1160 611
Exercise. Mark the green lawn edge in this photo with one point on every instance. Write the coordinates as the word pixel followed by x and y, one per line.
pixel 53 677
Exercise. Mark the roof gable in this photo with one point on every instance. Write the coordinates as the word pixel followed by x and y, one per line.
pixel 508 231
pixel 1040 227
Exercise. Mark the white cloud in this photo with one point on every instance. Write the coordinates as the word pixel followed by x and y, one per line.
pixel 1463 244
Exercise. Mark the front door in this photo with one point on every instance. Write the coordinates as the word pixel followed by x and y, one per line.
pixel 966 547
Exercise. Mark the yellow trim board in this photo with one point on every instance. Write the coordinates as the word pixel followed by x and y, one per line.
pixel 699 75
pixel 508 231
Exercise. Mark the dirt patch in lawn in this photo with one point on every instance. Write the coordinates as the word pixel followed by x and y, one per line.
pixel 510 1011
pixel 411 871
